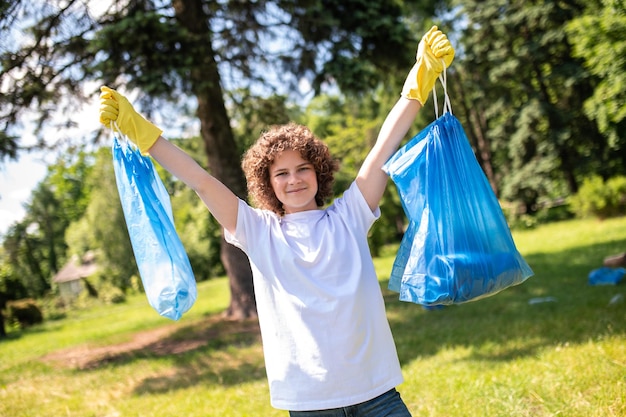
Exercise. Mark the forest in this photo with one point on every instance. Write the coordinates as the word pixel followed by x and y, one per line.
pixel 539 87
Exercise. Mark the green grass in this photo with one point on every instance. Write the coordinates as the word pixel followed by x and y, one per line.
pixel 499 356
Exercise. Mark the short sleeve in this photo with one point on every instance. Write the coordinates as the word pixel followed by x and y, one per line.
pixel 353 207
pixel 251 223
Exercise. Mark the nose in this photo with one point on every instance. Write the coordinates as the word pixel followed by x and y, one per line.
pixel 294 178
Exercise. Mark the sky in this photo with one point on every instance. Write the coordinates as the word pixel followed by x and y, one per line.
pixel 17 180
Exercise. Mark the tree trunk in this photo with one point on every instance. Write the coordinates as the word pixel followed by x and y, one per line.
pixel 220 146
pixel 3 332
pixel 242 301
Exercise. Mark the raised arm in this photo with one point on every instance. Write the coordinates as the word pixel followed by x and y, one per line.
pixel 433 48
pixel 221 202
pixel 371 179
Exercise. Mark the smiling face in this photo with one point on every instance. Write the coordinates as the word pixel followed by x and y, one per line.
pixel 294 182
pixel 262 155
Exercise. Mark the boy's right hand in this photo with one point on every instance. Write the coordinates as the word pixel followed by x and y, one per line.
pixel 114 107
pixel 433 48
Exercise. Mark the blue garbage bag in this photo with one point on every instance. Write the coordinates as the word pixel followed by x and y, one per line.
pixel 164 267
pixel 606 276
pixel 458 246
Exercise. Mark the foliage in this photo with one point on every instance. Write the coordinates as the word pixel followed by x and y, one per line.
pixel 11 287
pixel 599 37
pixel 37 48
pixel 52 307
pixel 517 66
pixel 26 312
pixel 102 227
pixel 110 294
pixel 52 49
pixel 359 51
pixel 35 247
pixel 252 114
pixel 599 198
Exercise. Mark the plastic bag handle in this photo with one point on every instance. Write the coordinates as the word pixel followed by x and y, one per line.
pixel 447 107
pixel 116 130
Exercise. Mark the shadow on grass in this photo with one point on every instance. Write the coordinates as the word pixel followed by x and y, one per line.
pixel 208 352
pixel 18 332
pixel 11 336
pixel 232 355
pixel 508 325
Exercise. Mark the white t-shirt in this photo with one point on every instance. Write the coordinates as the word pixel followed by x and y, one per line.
pixel 326 338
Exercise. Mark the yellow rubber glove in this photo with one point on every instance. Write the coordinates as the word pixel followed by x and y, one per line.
pixel 114 107
pixel 432 49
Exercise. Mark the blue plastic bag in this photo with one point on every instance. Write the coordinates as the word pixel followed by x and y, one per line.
pixel 458 246
pixel 162 261
pixel 606 276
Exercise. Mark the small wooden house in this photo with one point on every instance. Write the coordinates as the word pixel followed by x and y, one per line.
pixel 70 277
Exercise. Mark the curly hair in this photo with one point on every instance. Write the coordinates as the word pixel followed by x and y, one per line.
pixel 260 156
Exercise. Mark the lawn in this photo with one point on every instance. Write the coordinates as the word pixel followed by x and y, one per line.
pixel 506 355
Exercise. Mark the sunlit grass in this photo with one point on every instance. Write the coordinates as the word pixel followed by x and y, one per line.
pixel 501 356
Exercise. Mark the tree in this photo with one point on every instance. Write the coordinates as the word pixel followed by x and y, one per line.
pixel 599 37
pixel 36 246
pixel 102 227
pixel 185 47
pixel 25 250
pixel 10 288
pixel 524 81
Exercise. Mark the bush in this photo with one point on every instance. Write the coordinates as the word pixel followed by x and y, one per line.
pixel 599 198
pixel 617 185
pixel 25 312
pixel 110 294
pixel 53 308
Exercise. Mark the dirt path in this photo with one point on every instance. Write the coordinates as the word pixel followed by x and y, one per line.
pixel 157 342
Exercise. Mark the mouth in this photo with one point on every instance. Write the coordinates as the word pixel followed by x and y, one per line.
pixel 297 190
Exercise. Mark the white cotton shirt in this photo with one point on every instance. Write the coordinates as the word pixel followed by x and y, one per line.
pixel 326 338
